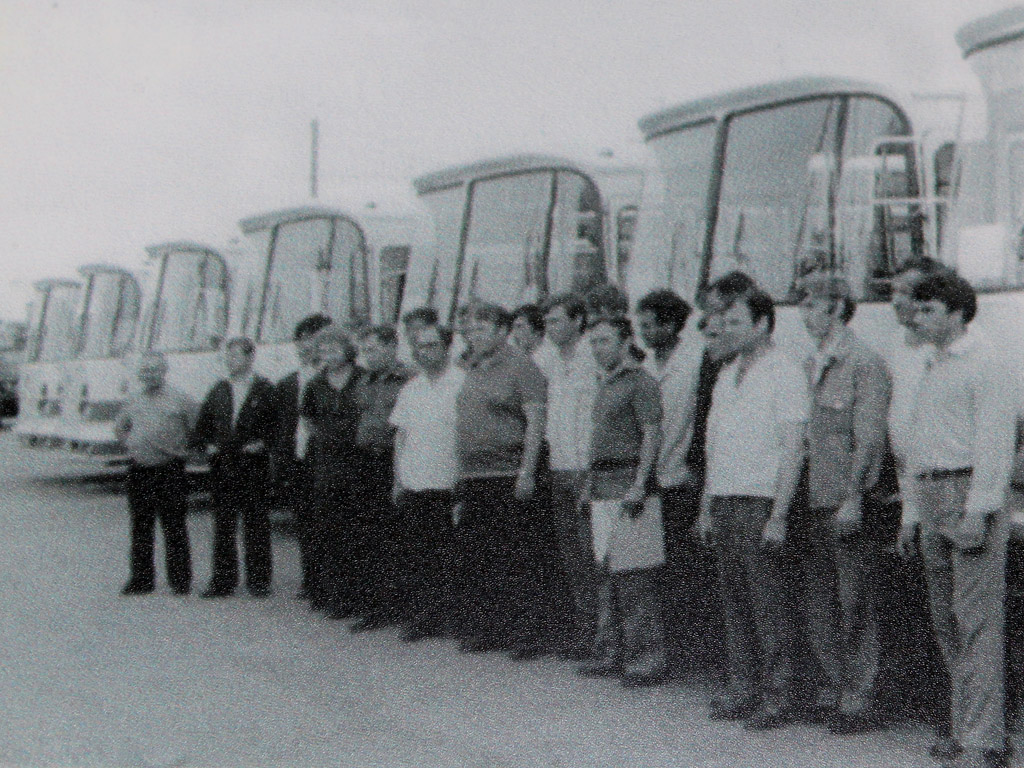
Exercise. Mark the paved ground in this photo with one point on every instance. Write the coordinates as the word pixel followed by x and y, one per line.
pixel 89 678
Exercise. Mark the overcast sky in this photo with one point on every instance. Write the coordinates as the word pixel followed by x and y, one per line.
pixel 124 123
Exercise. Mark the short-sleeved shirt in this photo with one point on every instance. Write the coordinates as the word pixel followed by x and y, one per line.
pixel 155 428
pixel 677 378
pixel 425 414
pixel 627 400
pixel 747 420
pixel 490 418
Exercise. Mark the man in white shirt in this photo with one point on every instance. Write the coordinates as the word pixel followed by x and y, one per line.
pixel 755 450
pixel 661 317
pixel 568 364
pixel 961 450
pixel 426 469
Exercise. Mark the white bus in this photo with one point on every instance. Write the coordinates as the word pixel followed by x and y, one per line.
pixel 514 230
pixel 788 178
pixel 51 340
pixel 349 264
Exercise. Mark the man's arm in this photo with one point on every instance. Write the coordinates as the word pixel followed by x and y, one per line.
pixel 536 420
pixel 872 392
pixel 645 471
pixel 786 480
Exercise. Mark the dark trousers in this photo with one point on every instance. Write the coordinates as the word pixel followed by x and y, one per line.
pixel 240 491
pixel 377 540
pixel 688 586
pixel 571 522
pixel 426 519
pixel 629 629
pixel 296 479
pixel 500 602
pixel 758 635
pixel 159 493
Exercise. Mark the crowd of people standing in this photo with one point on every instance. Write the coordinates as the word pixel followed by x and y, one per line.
pixel 537 484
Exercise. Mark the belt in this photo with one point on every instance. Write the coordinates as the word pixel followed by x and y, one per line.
pixel 945 474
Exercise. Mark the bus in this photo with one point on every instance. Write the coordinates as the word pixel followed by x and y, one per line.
pixel 516 229
pixel 95 380
pixel 789 178
pixel 50 345
pixel 347 263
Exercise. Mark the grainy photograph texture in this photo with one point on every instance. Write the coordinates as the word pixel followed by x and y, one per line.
pixel 550 384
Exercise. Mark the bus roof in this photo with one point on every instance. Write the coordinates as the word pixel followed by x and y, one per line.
pixel 270 219
pixel 55 282
pixel 457 175
pixel 113 269
pixel 160 249
pixel 743 99
pixel 995 29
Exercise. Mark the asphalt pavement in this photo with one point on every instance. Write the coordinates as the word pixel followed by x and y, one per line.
pixel 90 678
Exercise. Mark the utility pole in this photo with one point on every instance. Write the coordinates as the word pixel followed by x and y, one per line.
pixel 314 157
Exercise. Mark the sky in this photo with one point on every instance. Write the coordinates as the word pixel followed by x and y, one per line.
pixel 128 123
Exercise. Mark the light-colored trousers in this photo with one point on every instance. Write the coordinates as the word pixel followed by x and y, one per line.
pixel 966 593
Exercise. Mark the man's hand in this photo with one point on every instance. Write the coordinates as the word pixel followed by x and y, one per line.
pixel 907 543
pixel 212 450
pixel 971 533
pixel 848 518
pixel 773 535
pixel 633 501
pixel 256 446
pixel 396 492
pixel 704 528
pixel 526 484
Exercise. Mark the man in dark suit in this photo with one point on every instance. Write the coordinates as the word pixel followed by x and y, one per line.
pixel 292 470
pixel 237 425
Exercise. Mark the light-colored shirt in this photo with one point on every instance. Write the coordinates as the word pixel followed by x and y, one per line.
pixel 424 414
pixel 302 428
pixel 747 423
pixel 239 392
pixel 907 362
pixel 572 386
pixel 965 415
pixel 677 379
pixel 155 427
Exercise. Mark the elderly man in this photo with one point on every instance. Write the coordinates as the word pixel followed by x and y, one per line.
pixel 154 427
pixel 237 426
pixel 961 449
pixel 846 443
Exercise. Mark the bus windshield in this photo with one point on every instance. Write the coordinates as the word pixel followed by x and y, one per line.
pixel 57 331
pixel 112 309
pixel 192 303
pixel 820 183
pixel 315 265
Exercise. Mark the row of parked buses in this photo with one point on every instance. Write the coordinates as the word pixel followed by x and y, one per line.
pixel 778 180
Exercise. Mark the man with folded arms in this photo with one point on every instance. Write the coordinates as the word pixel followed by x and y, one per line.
pixel 755 452
pixel 960 458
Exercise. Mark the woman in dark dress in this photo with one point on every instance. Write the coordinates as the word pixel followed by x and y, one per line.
pixel 329 403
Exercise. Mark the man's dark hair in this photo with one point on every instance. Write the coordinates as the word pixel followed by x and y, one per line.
pixel 923 264
pixel 575 308
pixel 606 299
pixel 955 293
pixel 421 315
pixel 443 333
pixel 310 325
pixel 491 313
pixel 243 344
pixel 533 316
pixel 620 323
pixel 760 305
pixel 667 307
pixel 383 333
pixel 730 286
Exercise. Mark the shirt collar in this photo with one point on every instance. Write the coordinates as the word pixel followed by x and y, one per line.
pixel 965 344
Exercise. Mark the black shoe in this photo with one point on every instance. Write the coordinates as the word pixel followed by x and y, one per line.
pixel 337 614
pixel 415 633
pixel 528 651
pixel 369 624
pixel 769 716
pixel 214 591
pixel 259 592
pixel 731 709
pixel 945 748
pixel 643 681
pixel 599 668
pixel 136 588
pixel 182 590
pixel 841 723
pixel 478 645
